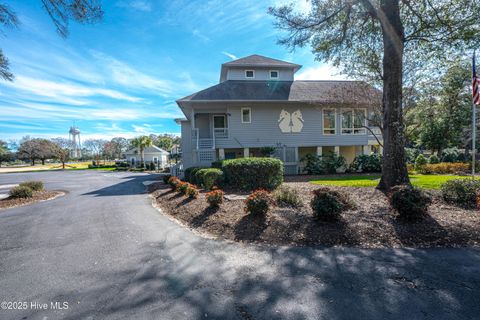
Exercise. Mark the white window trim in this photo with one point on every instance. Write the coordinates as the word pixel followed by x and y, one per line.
pixel 253 71
pixel 270 74
pixel 353 122
pixel 323 128
pixel 249 112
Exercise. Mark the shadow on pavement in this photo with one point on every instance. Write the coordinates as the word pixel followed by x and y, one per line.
pixel 133 184
pixel 209 280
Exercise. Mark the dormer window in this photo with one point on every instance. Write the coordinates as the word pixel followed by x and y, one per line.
pixel 249 74
pixel 273 74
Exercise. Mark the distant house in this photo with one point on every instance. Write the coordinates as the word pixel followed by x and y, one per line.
pixel 151 154
pixel 259 104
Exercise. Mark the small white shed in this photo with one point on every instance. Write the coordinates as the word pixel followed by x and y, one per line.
pixel 151 154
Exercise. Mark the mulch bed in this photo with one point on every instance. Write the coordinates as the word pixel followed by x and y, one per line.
pixel 37 196
pixel 371 224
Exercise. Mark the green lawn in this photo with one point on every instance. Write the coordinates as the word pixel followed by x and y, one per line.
pixel 419 180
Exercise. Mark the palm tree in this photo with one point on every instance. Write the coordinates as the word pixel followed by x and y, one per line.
pixel 141 143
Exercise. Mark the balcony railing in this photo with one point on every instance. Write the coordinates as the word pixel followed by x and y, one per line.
pixel 220 133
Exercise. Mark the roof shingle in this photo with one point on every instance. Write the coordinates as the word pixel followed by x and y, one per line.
pixel 327 92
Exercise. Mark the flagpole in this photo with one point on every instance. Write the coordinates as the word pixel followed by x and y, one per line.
pixel 474 120
pixel 474 135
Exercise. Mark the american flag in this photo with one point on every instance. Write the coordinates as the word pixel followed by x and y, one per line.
pixel 475 83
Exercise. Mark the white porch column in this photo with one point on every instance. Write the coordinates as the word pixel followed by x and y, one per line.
pixel 319 151
pixel 246 152
pixel 366 150
pixel 336 150
pixel 221 153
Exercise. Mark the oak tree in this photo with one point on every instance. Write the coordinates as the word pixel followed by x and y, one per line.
pixel 379 33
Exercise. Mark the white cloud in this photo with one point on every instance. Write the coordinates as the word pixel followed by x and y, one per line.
pixel 230 55
pixel 136 4
pixel 123 74
pixel 321 72
pixel 65 92
pixel 200 35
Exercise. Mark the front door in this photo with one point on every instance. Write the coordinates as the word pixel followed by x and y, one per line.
pixel 202 122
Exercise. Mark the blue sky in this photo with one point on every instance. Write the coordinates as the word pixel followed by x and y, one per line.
pixel 121 77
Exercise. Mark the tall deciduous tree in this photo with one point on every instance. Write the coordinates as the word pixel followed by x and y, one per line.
pixel 379 32
pixel 61 13
pixel 61 150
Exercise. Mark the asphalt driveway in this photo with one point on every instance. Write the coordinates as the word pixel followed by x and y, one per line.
pixel 105 251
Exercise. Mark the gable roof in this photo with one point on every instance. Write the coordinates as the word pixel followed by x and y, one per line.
pixel 152 149
pixel 322 92
pixel 258 61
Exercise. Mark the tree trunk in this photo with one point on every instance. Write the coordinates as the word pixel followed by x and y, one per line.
pixel 33 162
pixel 43 162
pixel 394 168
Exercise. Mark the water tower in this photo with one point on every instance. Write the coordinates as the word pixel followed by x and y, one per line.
pixel 74 137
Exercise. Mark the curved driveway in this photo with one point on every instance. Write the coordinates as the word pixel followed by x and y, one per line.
pixel 103 249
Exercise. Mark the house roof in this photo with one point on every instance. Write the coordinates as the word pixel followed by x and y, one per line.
pixel 256 60
pixel 152 149
pixel 323 92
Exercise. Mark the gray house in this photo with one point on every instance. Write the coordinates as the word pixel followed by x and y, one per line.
pixel 258 103
pixel 151 154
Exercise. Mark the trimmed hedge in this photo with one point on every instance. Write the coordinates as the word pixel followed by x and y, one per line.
pixel 461 192
pixel 190 174
pixel 34 185
pixel 209 177
pixel 445 167
pixel 253 173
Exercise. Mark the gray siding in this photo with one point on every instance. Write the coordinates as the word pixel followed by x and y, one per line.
pixel 260 74
pixel 186 144
pixel 264 129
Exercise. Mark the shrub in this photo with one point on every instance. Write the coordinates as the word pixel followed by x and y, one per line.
pixel 433 159
pixel 209 177
pixel 450 155
pixel 190 174
pixel 267 151
pixel 286 196
pixel 444 167
pixel 327 204
pixel 151 166
pixel 461 192
pixel 411 154
pixel 165 178
pixel 259 202
pixel 182 187
pixel 21 192
pixel 34 185
pixel 217 164
pixel 324 164
pixel 411 203
pixel 191 191
pixel 367 163
pixel 253 173
pixel 215 197
pixel 173 182
pixel 420 161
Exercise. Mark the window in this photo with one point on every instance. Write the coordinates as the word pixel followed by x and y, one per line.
pixel 353 121
pixel 219 122
pixel 249 74
pixel 329 121
pixel 246 115
pixel 155 159
pixel 273 74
